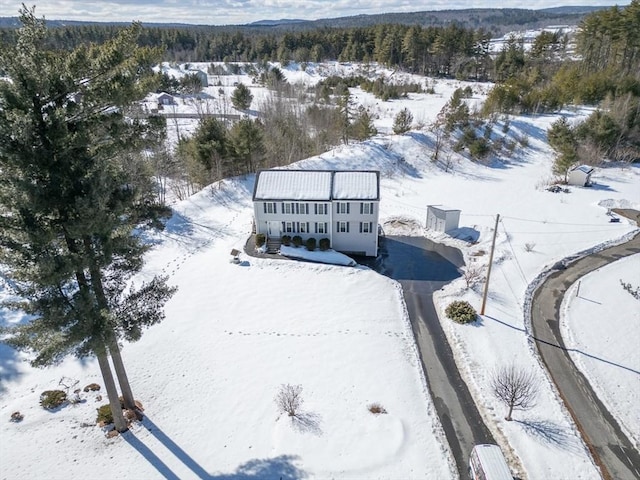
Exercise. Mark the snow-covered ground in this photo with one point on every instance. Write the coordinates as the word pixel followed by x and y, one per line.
pixel 207 375
pixel 599 318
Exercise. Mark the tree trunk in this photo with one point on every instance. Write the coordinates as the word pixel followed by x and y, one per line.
pixel 508 417
pixel 123 380
pixel 114 350
pixel 112 393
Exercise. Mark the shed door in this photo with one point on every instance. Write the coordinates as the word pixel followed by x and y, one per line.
pixel 432 221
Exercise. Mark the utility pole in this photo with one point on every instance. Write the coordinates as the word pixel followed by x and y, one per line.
pixel 486 284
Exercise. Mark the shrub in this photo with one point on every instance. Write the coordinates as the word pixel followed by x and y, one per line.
pixel 296 241
pixel 377 409
pixel 479 148
pixel 286 240
pixel 311 244
pixel 92 387
pixel 105 417
pixel 289 399
pixel 17 417
pixel 461 311
pixel 260 239
pixel 325 244
pixel 52 399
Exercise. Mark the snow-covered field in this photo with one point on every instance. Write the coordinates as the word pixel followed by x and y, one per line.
pixel 207 375
pixel 599 319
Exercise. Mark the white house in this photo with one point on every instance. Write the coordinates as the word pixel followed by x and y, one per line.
pixel 580 176
pixel 342 206
pixel 441 218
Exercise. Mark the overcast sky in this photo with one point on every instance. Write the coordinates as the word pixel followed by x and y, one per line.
pixel 225 12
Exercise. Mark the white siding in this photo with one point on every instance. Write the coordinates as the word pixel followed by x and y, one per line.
pixel 353 241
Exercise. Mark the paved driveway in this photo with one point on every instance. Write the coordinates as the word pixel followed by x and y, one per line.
pixel 422 267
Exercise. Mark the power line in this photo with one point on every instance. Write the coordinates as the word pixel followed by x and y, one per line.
pixel 524 277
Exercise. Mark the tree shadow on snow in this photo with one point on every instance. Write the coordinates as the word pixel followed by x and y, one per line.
pixel 277 468
pixel 528 129
pixel 552 434
pixel 307 422
pixel 281 467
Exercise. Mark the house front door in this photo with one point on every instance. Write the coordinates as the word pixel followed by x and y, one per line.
pixel 275 229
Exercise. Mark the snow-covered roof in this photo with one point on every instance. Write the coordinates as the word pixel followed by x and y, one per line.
pixel 323 185
pixel 293 184
pixel 584 169
pixel 356 185
pixel 444 208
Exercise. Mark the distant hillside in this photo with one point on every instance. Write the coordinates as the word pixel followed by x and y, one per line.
pixel 573 9
pixel 496 20
pixel 274 23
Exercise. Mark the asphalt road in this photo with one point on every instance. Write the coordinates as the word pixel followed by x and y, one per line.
pixel 422 267
pixel 612 450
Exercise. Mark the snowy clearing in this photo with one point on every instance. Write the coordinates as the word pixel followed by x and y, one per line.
pixel 207 376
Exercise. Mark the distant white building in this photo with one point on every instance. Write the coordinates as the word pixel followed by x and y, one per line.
pixel 165 99
pixel 441 218
pixel 580 176
pixel 340 205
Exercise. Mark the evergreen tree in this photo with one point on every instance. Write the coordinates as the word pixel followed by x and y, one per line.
pixel 247 143
pixel 210 147
pixel 402 121
pixel 562 139
pixel 241 97
pixel 362 127
pixel 345 106
pixel 68 205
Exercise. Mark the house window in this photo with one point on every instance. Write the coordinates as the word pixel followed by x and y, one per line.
pixel 343 227
pixel 366 208
pixel 287 208
pixel 342 207
pixel 270 207
pixel 288 227
pixel 321 227
pixel 302 208
pixel 321 208
pixel 303 227
pixel 366 227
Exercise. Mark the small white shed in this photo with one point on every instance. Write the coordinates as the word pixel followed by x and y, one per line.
pixel 441 218
pixel 580 176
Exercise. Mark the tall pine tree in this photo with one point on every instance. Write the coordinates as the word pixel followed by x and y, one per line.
pixel 68 204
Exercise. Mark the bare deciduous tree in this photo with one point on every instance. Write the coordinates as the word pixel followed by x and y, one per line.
pixel 472 274
pixel 516 387
pixel 289 399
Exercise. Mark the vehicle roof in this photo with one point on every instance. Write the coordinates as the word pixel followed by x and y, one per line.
pixel 493 462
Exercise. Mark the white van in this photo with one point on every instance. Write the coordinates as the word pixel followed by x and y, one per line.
pixel 486 462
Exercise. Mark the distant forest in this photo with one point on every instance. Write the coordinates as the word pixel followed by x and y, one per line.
pixel 599 65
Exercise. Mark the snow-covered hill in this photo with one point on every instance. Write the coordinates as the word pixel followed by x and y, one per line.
pixel 207 376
